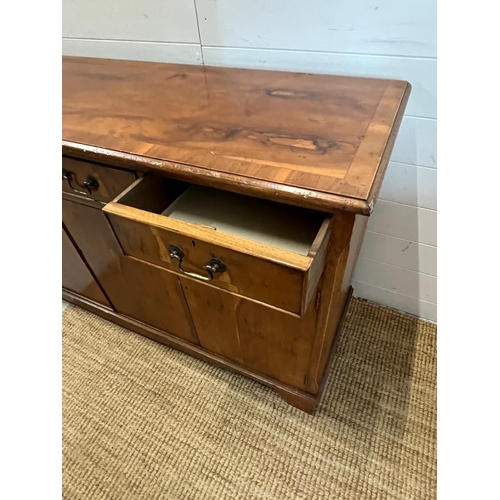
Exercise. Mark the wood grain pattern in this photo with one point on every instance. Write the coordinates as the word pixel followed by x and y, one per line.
pixel 111 181
pixel 334 294
pixel 268 190
pixel 261 339
pixel 316 133
pixel 285 257
pixel 315 141
pixel 332 351
pixel 420 72
pixel 391 127
pixel 260 279
pixel 272 275
pixel 150 195
pixel 136 289
pixel 75 274
pixel 318 255
pixel 83 200
pixel 345 244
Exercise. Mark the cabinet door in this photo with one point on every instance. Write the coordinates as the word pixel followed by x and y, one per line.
pixel 136 289
pixel 75 274
pixel 261 338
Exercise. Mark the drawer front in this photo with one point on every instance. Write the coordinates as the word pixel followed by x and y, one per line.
pixel 271 275
pixel 244 274
pixel 94 181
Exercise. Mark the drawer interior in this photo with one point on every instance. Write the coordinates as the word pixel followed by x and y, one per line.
pixel 263 250
pixel 269 223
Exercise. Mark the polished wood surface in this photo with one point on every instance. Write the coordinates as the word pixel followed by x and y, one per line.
pixel 264 340
pixel 278 277
pixel 333 296
pixel 148 131
pixel 317 254
pixel 286 351
pixel 259 279
pixel 311 140
pixel 143 209
pixel 110 182
pixel 84 200
pixel 135 289
pixel 75 274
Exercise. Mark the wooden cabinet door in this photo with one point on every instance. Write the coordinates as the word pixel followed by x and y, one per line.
pixel 136 289
pixel 75 274
pixel 261 338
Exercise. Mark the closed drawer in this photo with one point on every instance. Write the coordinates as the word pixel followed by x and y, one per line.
pixel 94 181
pixel 267 251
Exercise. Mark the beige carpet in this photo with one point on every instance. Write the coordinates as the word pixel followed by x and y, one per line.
pixel 143 421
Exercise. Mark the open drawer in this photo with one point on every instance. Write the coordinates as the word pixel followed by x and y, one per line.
pixel 263 250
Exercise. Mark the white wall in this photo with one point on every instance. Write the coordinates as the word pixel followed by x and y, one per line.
pixel 377 38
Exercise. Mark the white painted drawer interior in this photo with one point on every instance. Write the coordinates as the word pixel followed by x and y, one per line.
pixel 262 221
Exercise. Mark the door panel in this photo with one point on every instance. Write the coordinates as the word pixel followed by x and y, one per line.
pixel 262 339
pixel 75 274
pixel 137 289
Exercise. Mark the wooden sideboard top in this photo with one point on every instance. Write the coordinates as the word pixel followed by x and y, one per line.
pixel 310 140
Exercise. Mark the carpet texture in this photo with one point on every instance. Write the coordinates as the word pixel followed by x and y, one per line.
pixel 143 421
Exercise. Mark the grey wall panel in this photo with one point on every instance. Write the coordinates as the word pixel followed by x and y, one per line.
pixel 146 20
pixel 397 27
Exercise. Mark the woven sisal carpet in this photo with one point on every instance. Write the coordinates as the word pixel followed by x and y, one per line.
pixel 143 421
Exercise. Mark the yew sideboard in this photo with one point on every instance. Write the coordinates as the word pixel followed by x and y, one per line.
pixel 221 211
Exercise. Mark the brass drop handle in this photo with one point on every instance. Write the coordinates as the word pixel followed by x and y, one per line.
pixel 214 266
pixel 90 184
